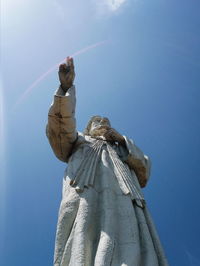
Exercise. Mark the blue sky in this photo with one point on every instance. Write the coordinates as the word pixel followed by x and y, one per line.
pixel 145 78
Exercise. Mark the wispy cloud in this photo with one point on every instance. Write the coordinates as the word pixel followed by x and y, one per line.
pixel 109 6
pixel 85 10
pixel 114 5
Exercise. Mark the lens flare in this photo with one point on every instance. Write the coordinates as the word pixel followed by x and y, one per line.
pixel 44 75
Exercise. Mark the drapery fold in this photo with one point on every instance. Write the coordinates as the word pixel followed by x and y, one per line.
pixel 85 174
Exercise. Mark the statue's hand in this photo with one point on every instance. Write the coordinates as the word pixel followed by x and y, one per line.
pixel 112 135
pixel 66 74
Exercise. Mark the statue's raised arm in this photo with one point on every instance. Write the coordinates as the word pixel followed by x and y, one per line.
pixel 61 127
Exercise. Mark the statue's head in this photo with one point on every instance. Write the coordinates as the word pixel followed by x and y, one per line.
pixel 97 126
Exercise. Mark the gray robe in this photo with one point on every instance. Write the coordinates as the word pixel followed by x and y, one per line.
pixel 103 219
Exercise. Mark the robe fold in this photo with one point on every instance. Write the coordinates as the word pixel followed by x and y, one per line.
pixel 103 218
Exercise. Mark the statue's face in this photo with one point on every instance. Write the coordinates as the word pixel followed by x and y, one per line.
pixel 99 126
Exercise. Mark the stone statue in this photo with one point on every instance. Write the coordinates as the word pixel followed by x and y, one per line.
pixel 103 219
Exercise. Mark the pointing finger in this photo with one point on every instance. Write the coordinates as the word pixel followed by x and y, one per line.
pixel 70 62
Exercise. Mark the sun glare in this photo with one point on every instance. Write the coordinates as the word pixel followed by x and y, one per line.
pixel 10 4
pixel 12 10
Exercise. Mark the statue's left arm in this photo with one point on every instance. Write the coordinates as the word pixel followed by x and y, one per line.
pixel 131 155
pixel 137 161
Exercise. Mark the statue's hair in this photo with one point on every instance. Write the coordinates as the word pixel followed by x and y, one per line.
pixel 87 129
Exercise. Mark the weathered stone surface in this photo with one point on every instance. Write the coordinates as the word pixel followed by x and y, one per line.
pixel 103 219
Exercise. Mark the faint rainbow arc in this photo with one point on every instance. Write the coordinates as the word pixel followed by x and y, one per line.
pixel 37 81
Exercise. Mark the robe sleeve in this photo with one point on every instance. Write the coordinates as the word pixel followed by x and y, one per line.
pixel 61 127
pixel 137 161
